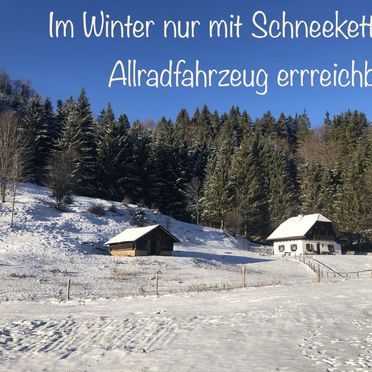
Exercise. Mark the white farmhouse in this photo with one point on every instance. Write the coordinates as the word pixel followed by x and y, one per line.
pixel 310 234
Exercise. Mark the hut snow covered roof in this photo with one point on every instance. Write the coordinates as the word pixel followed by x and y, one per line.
pixel 297 227
pixel 131 235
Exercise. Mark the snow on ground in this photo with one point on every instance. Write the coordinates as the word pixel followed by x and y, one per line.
pixel 348 264
pixel 114 322
pixel 46 247
pixel 308 327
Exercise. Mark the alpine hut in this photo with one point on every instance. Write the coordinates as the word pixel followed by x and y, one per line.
pixel 309 234
pixel 143 241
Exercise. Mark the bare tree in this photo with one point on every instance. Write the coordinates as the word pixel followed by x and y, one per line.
pixel 60 177
pixel 194 194
pixel 14 156
pixel 13 152
pixel 17 174
pixel 234 220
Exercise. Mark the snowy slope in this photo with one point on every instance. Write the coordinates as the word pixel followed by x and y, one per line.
pixel 46 247
pixel 308 326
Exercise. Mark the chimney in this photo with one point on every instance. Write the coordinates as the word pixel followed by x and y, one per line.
pixel 300 217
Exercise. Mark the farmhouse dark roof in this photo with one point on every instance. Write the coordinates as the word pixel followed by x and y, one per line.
pixel 297 227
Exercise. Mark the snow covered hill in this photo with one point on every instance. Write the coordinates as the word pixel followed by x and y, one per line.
pixel 308 326
pixel 46 246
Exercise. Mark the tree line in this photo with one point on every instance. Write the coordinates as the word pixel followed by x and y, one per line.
pixel 223 170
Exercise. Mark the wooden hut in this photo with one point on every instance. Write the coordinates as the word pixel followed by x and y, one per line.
pixel 143 241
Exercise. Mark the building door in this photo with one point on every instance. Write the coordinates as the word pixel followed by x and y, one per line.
pixel 153 247
pixel 318 248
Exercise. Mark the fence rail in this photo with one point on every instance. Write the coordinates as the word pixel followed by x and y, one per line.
pixel 322 270
pixel 80 288
pixel 77 288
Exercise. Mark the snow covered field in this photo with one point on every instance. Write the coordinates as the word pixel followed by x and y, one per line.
pixel 349 264
pixel 324 327
pixel 114 321
pixel 46 247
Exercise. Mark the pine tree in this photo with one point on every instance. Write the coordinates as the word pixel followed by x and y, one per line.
pixel 355 214
pixel 246 124
pixel 136 174
pixel 203 130
pixel 63 111
pixel 54 130
pixel 248 199
pixel 167 183
pixel 124 143
pixel 327 194
pixel 217 195
pixel 281 127
pixel 303 126
pixel 266 125
pixel 112 154
pixel 310 186
pixel 282 198
pixel 215 126
pixel 139 218
pixel 164 132
pixel 182 129
pixel 40 137
pixel 234 121
pixel 79 135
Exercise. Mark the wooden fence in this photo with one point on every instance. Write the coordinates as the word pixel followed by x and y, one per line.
pixel 324 271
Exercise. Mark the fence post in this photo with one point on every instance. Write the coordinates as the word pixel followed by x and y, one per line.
pixel 68 289
pixel 318 273
pixel 157 284
pixel 243 276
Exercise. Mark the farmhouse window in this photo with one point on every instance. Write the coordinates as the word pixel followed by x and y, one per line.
pixel 281 248
pixel 331 248
pixel 293 247
pixel 309 247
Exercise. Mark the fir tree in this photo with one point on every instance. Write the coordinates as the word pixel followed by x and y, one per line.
pixel 282 198
pixel 139 218
pixel 303 126
pixel 39 135
pixel 54 130
pixel 248 199
pixel 79 135
pixel 182 130
pixel 217 195
pixel 310 186
pixel 137 170
pixel 164 132
pixel 112 154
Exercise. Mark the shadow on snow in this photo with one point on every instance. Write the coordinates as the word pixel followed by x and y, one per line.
pixel 225 259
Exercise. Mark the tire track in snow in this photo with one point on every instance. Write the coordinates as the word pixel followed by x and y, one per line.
pixel 134 335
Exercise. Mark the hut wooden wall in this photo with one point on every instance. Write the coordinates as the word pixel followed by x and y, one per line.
pixel 163 243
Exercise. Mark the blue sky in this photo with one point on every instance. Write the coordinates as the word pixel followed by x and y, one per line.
pixel 60 68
